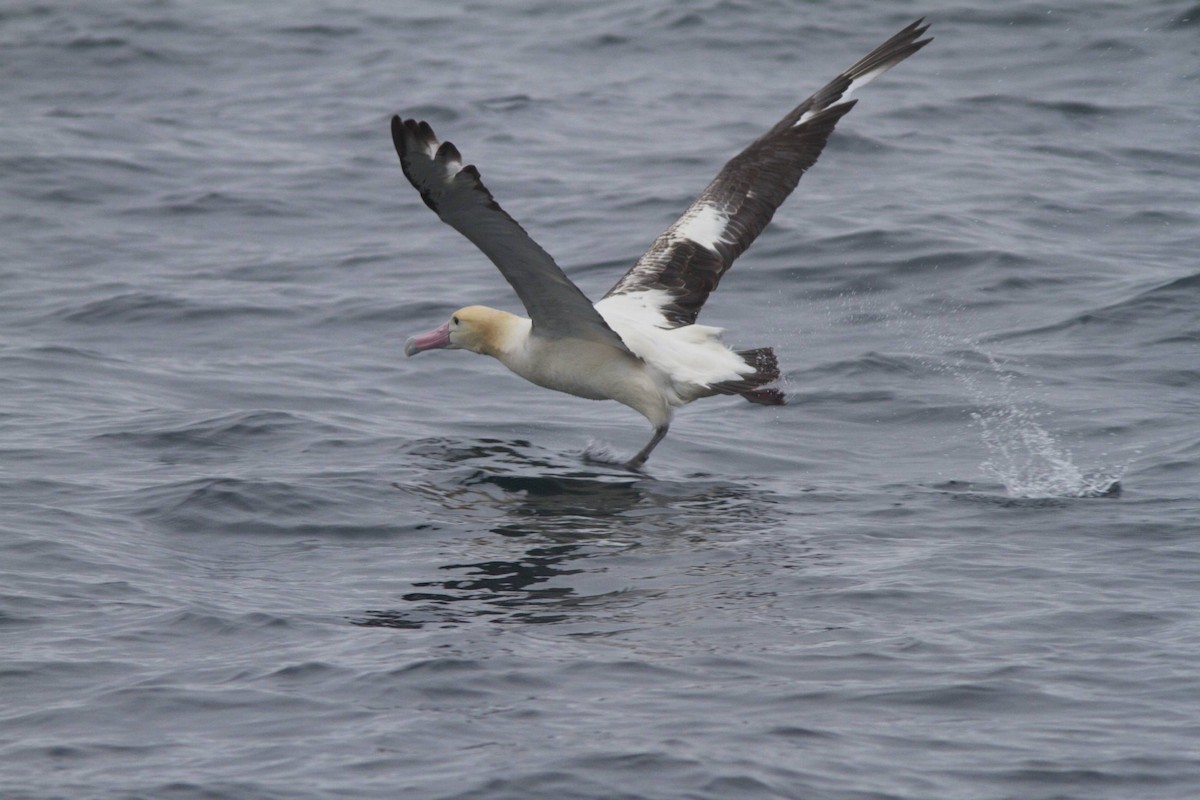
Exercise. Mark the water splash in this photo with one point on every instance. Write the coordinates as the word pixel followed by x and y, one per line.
pixel 600 454
pixel 1022 454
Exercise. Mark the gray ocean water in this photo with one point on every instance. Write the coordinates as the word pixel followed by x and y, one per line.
pixel 250 551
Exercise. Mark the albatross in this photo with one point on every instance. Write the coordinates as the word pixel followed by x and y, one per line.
pixel 640 344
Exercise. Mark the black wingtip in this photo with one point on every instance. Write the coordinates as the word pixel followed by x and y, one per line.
pixel 398 135
pixel 405 132
pixel 918 28
pixel 915 28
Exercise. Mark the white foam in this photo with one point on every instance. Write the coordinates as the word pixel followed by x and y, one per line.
pixel 1030 461
pixel 1024 452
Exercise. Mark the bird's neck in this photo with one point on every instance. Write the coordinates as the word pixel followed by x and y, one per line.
pixel 507 335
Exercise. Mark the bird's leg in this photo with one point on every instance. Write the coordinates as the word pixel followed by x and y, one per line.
pixel 644 453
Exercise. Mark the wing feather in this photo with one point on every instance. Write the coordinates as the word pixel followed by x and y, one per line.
pixel 686 263
pixel 457 195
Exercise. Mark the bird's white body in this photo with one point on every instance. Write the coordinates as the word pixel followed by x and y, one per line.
pixel 668 367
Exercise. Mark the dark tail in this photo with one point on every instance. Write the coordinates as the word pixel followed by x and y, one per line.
pixel 766 397
pixel 766 370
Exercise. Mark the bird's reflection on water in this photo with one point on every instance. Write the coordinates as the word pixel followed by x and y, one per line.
pixel 553 517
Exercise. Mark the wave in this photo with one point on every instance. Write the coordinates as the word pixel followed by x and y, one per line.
pixel 1160 303
pixel 139 306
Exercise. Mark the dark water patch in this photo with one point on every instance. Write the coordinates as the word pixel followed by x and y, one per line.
pixel 524 590
pixel 305 673
pixel 1158 303
pixel 1177 378
pixel 797 732
pixel 61 368
pixel 328 507
pixel 73 164
pixel 867 239
pixel 218 790
pixel 839 399
pixel 1017 16
pixel 565 784
pixel 887 271
pixel 1069 108
pixel 677 19
pixel 1074 151
pixel 505 591
pixel 1099 486
pixel 359 261
pixel 72 353
pixel 319 30
pixel 117 51
pixel 1011 698
pixel 601 41
pixel 68 179
pixel 517 466
pixel 560 523
pixel 142 307
pixel 1109 46
pixel 18 676
pixel 552 494
pixel 167 701
pixel 1045 774
pixel 1152 217
pixel 1005 112
pixel 248 429
pixel 871 364
pixel 403 619
pixel 376 310
pixel 217 203
pixel 1111 619
pixel 94 42
pixel 663 765
pixel 747 786
pixel 162 24
pixel 190 622
pixel 593 492
pixel 1011 285
pixel 1170 160
pixel 1186 19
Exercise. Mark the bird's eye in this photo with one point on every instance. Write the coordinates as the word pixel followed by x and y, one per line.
pixel 454 320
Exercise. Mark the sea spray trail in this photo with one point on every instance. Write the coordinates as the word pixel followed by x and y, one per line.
pixel 1026 457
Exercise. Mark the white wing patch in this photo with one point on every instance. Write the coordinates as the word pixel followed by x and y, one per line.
pixel 690 358
pixel 705 226
pixel 450 161
pixel 864 79
pixel 855 85
pixel 642 308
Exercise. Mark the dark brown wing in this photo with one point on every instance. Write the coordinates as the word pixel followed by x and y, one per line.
pixel 675 276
